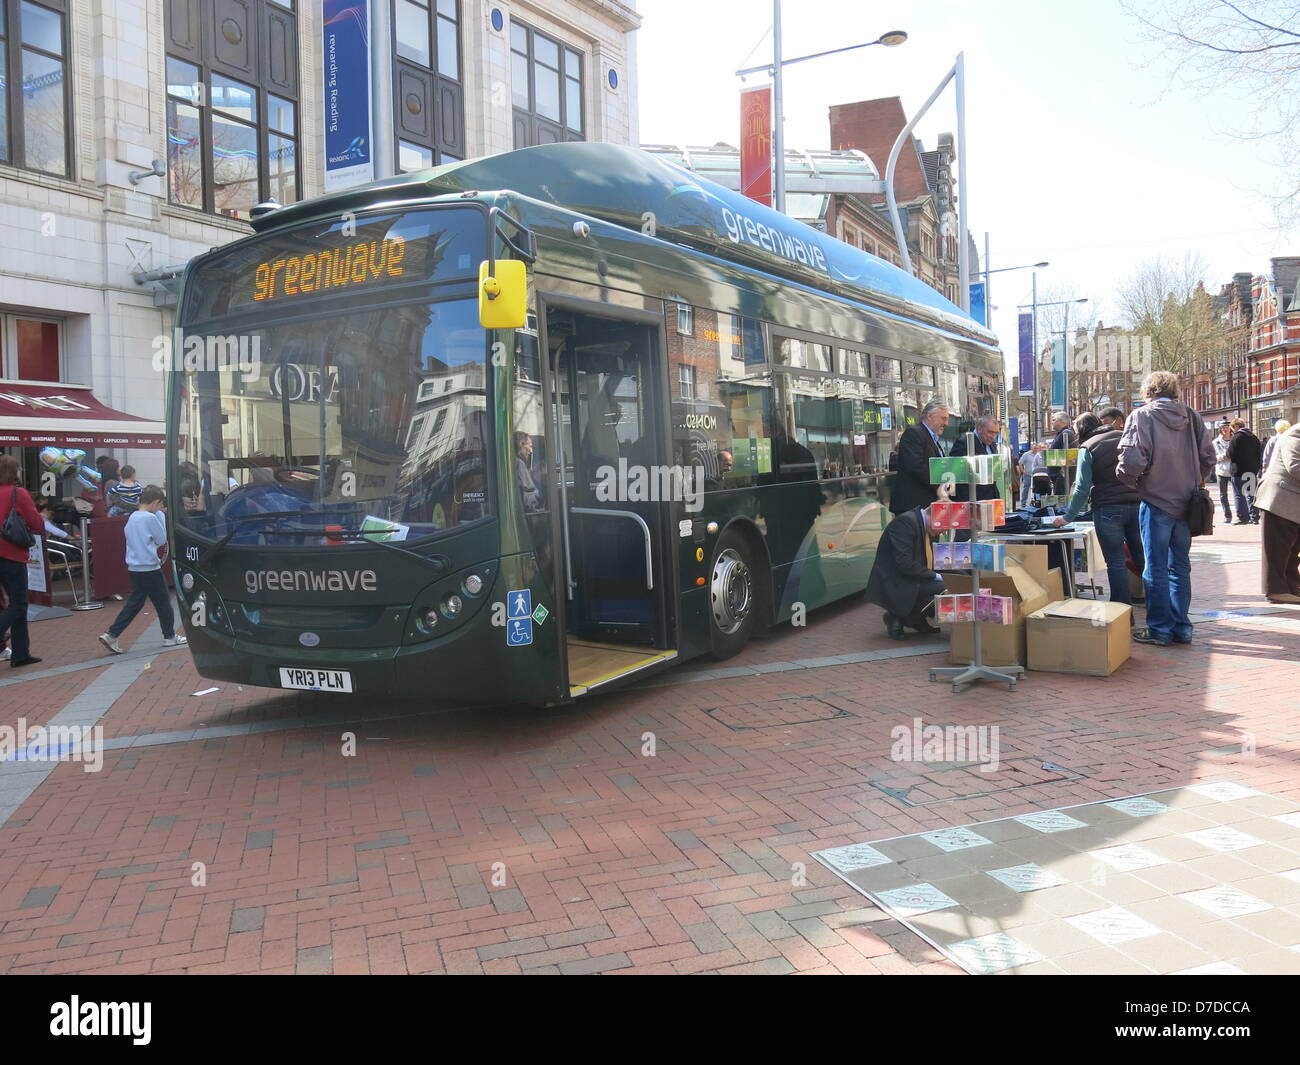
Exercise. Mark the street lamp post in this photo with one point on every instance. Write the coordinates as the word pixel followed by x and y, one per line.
pixel 890 40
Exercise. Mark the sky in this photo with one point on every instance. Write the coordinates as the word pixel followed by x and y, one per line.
pixel 1083 152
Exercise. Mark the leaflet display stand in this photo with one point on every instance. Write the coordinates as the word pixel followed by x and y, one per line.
pixel 963 676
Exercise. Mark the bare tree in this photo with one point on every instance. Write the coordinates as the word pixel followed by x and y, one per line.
pixel 1165 300
pixel 1252 46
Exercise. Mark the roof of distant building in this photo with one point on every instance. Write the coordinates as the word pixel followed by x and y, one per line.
pixel 817 170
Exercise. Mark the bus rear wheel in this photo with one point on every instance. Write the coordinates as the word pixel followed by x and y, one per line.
pixel 733 599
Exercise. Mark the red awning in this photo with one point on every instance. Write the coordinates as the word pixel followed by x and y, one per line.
pixel 50 414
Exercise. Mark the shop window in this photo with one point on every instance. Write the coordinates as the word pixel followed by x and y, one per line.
pixel 232 102
pixel 547 86
pixel 35 95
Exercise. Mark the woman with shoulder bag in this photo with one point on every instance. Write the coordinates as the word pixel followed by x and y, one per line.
pixel 17 514
pixel 1279 503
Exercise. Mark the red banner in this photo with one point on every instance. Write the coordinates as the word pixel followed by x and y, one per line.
pixel 756 144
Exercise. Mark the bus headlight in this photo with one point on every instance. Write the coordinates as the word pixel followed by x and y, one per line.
pixel 452 605
pixel 428 619
pixel 473 584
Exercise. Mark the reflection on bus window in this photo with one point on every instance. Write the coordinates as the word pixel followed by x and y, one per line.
pixel 376 420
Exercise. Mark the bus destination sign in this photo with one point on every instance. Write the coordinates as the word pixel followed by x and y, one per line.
pixel 355 264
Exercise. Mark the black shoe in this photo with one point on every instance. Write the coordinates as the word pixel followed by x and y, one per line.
pixel 1241 523
pixel 894 627
pixel 926 629
pixel 1147 636
pixel 14 663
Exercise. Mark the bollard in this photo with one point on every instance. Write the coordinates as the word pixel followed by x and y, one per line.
pixel 88 603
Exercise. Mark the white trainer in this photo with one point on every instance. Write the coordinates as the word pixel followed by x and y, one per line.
pixel 111 643
pixel 8 652
pixel 175 641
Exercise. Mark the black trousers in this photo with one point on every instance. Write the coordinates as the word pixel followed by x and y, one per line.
pixel 13 620
pixel 147 585
pixel 1281 555
pixel 923 607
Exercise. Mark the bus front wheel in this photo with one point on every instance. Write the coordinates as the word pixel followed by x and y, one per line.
pixel 733 599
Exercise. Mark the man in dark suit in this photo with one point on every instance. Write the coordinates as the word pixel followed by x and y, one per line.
pixel 903 580
pixel 918 445
pixel 986 435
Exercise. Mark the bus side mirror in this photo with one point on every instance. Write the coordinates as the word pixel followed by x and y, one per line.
pixel 503 296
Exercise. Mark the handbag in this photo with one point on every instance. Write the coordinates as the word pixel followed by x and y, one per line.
pixel 1200 508
pixel 15 529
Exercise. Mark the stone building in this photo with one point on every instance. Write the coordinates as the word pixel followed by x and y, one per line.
pixel 135 134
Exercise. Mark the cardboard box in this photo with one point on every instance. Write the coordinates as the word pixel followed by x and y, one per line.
pixel 1026 584
pixel 1088 636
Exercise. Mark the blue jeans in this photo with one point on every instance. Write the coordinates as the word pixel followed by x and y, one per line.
pixel 1245 493
pixel 1117 524
pixel 1167 576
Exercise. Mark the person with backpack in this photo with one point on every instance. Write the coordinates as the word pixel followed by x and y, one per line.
pixel 1165 454
pixel 20 524
pixel 146 535
pixel 123 497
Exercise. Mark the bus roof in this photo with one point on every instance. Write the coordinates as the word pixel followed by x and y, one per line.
pixel 632 188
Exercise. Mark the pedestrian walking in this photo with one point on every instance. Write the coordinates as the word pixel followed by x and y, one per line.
pixel 146 536
pixel 1279 429
pixel 1114 504
pixel 1223 468
pixel 917 446
pixel 1246 454
pixel 1279 502
pixel 1165 453
pixel 17 512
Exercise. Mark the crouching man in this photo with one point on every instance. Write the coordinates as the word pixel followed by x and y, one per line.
pixel 903 579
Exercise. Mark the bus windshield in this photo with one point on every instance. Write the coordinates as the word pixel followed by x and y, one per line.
pixel 371 421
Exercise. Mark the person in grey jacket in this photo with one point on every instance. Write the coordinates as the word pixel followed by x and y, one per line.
pixel 1279 502
pixel 1166 454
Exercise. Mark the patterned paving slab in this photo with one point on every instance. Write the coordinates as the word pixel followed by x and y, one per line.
pixel 1203 879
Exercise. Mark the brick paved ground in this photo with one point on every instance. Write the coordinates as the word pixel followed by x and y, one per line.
pixel 529 841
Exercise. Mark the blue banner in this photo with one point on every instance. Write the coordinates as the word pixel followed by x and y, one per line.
pixel 978 305
pixel 348 145
pixel 1027 375
pixel 1058 374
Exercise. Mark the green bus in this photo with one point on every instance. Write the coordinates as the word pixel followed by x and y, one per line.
pixel 523 427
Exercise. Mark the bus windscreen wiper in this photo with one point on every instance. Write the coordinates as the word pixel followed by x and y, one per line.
pixel 220 545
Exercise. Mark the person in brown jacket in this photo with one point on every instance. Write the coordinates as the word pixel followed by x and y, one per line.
pixel 1279 502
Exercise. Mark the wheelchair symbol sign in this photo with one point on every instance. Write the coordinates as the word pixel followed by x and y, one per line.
pixel 519 604
pixel 520 632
